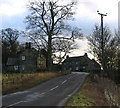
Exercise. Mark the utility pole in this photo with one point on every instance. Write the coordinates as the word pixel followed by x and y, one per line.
pixel 102 38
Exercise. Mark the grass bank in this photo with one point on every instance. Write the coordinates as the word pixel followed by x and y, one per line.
pixel 20 81
pixel 90 94
pixel 97 92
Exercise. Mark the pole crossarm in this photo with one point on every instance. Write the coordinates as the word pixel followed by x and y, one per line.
pixel 101 14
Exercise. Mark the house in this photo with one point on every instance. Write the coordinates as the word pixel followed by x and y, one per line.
pixel 28 60
pixel 81 63
pixel 12 64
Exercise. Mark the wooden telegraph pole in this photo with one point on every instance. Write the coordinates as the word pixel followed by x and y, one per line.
pixel 102 39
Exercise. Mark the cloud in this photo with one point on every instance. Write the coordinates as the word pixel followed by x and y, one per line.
pixel 83 47
pixel 12 7
pixel 88 8
pixel 86 14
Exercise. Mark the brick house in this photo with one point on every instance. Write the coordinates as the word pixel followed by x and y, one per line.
pixel 28 60
pixel 81 63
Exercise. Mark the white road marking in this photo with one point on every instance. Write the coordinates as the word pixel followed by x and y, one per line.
pixel 54 88
pixel 43 93
pixel 15 104
pixel 17 93
pixel 64 81
pixel 25 101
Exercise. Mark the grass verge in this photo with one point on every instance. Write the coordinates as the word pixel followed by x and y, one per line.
pixel 90 94
pixel 21 81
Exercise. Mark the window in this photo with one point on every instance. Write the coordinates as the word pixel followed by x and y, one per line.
pixel 23 57
pixel 76 62
pixel 23 68
pixel 70 69
pixel 77 68
pixel 84 67
pixel 15 68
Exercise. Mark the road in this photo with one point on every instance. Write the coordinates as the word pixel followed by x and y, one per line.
pixel 54 92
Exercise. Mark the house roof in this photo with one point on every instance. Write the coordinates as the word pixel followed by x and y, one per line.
pixel 82 59
pixel 12 61
pixel 95 63
pixel 77 58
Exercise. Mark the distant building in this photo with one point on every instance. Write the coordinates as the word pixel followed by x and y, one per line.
pixel 13 64
pixel 28 60
pixel 81 63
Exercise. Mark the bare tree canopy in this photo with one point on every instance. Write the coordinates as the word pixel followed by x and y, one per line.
pixel 10 35
pixel 48 17
pixel 48 21
pixel 61 48
pixel 111 50
pixel 9 43
pixel 95 41
pixel 117 35
pixel 9 39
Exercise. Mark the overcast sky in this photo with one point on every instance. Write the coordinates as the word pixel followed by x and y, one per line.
pixel 13 13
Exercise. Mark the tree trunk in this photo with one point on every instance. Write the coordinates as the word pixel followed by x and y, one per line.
pixel 49 53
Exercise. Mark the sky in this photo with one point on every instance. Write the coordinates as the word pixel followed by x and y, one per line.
pixel 13 13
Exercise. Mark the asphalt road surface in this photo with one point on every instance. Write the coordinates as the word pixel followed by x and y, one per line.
pixel 54 92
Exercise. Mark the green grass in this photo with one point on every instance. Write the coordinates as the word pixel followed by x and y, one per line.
pixel 78 100
pixel 20 81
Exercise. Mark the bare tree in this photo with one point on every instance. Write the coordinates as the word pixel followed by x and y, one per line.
pixel 108 44
pixel 117 35
pixel 10 36
pixel 47 20
pixel 9 43
pixel 61 48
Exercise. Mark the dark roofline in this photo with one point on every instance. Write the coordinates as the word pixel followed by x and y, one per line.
pixel 76 57
pixel 85 55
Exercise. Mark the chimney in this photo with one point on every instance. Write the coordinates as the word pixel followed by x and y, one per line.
pixel 28 45
pixel 86 55
pixel 67 56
